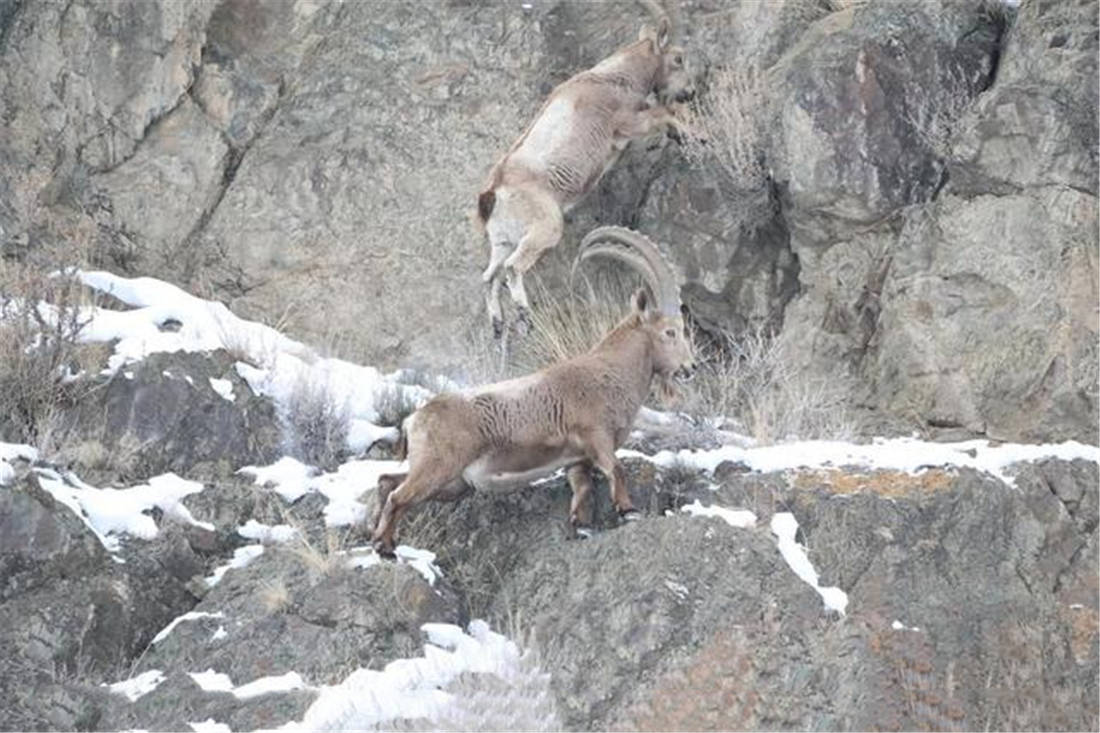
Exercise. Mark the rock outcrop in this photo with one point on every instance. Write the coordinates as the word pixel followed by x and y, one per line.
pixel 914 207
pixel 285 155
pixel 969 601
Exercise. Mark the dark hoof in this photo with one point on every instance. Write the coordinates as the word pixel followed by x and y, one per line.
pixel 384 551
pixel 630 515
pixel 498 329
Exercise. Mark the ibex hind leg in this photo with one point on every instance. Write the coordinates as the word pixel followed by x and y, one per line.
pixel 543 232
pixel 418 486
pixel 387 482
pixel 492 304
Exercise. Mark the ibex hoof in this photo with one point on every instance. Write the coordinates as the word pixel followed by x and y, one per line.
pixel 630 515
pixel 384 551
pixel 583 533
pixel 498 329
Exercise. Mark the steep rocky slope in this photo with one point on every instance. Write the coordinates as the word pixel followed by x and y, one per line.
pixel 826 585
pixel 951 597
pixel 925 223
pixel 918 214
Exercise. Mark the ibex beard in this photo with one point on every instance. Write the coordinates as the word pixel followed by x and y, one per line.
pixel 571 415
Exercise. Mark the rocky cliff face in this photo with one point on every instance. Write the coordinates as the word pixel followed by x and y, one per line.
pixel 913 203
pixel 958 596
pixel 925 226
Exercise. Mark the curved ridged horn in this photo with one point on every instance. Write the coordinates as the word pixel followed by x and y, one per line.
pixel 640 253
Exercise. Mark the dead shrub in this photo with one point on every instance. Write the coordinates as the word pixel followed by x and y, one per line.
pixel 41 318
pixel 393 405
pixel 728 124
pixel 316 427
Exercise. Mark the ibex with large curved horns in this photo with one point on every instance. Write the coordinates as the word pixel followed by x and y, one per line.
pixel 576 136
pixel 572 415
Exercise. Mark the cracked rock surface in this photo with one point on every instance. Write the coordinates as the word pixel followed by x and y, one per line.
pixel 926 222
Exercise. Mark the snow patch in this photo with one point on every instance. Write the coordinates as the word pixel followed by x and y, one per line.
pixel 899 626
pixel 224 388
pixel 784 526
pixel 210 726
pixel 412 688
pixel 276 365
pixel 422 561
pixel 288 476
pixel 343 487
pixel 220 633
pixel 732 517
pixel 135 687
pixel 111 512
pixel 899 454
pixel 265 533
pixel 9 454
pixel 189 616
pixel 242 556
pixel 211 681
pixel 267 685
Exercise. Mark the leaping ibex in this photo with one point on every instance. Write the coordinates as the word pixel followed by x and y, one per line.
pixel 571 415
pixel 576 136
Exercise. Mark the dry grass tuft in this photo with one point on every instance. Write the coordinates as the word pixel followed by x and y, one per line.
pixel 320 559
pixel 274 596
pixel 564 325
pixel 890 484
pixel 393 405
pixel 753 379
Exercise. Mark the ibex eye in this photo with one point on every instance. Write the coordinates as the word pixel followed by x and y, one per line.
pixel 678 59
pixel 671 333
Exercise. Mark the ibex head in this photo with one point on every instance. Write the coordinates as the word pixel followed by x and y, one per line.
pixel 672 355
pixel 673 82
pixel 657 306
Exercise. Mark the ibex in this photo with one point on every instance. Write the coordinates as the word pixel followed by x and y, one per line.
pixel 576 136
pixel 572 415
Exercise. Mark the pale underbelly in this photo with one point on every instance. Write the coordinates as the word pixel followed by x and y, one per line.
pixel 497 473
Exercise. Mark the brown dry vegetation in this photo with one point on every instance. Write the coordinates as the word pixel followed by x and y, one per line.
pixel 41 318
pixel 890 484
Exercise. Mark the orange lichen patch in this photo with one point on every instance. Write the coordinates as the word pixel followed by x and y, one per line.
pixel 891 484
pixel 1084 624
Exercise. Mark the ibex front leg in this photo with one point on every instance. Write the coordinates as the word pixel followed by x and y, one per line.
pixel 601 451
pixel 641 123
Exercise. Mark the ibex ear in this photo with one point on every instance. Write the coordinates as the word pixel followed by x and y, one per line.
pixel 663 29
pixel 643 305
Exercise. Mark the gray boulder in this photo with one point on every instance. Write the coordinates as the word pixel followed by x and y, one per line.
pixel 163 414
pixel 855 100
pixel 1014 265
pixel 72 616
pixel 1037 125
